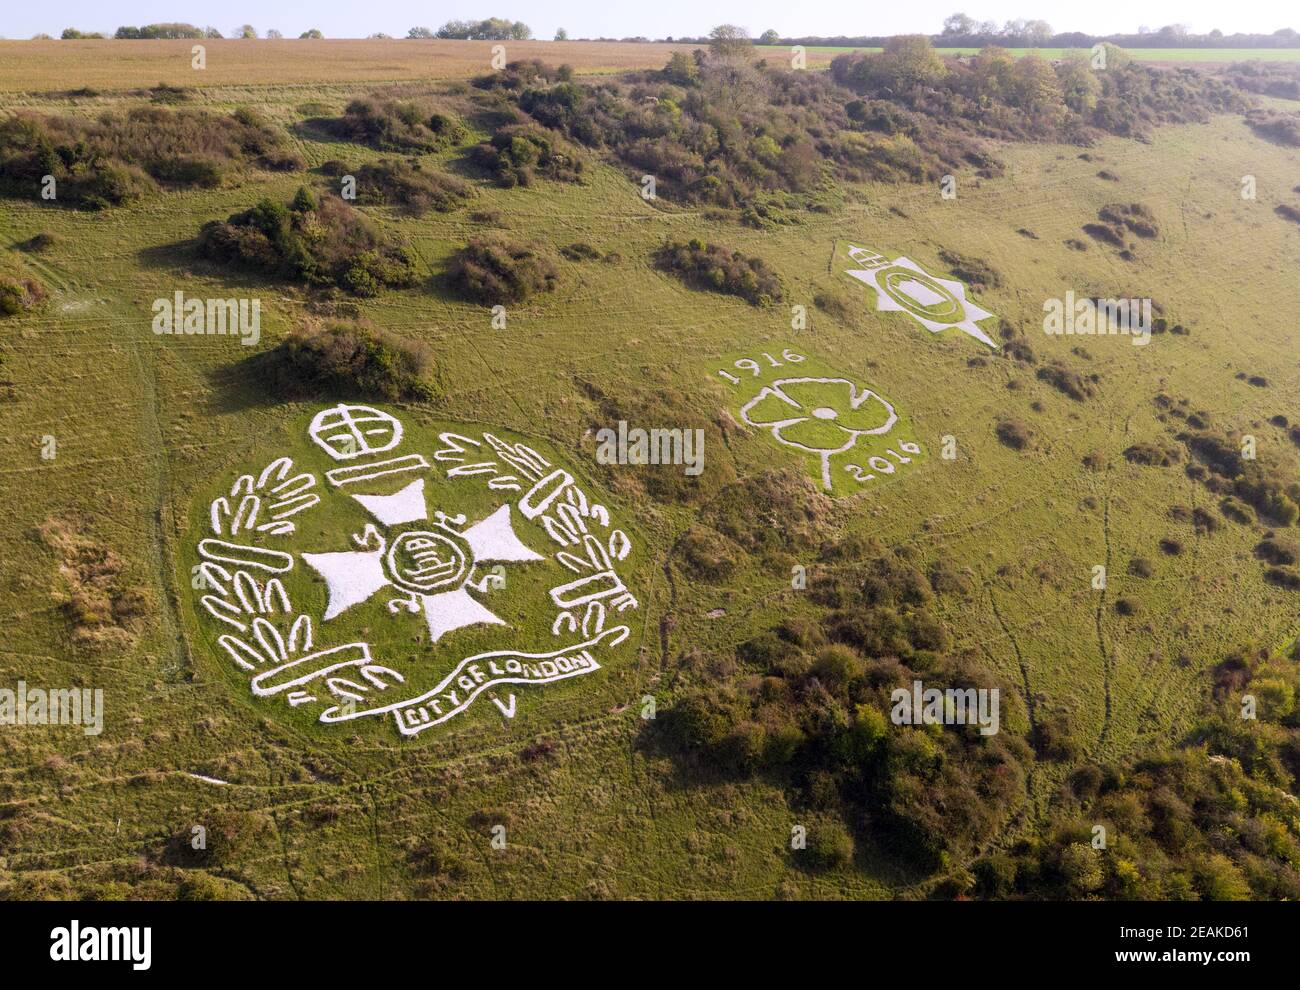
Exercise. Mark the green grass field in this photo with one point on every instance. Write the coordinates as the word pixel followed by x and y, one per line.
pixel 150 428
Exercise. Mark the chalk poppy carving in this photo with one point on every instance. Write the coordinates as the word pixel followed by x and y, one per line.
pixel 822 416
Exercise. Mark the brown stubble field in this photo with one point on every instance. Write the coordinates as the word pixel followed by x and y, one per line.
pixel 54 66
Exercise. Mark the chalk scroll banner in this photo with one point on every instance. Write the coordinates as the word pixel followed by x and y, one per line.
pixel 476 674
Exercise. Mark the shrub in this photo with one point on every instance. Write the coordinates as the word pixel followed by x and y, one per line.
pixel 580 252
pixel 325 243
pixel 354 359
pixel 1135 216
pixel 409 184
pixel 1014 433
pixel 1152 455
pixel 1283 577
pixel 1277 551
pixel 1279 126
pixel 975 272
pixel 1067 381
pixel 837 304
pixel 393 125
pixel 120 156
pixel 829 844
pixel 714 268
pixel 516 154
pixel 39 243
pixel 708 554
pixel 20 290
pixel 1141 567
pixel 1238 511
pixel 493 269
pixel 228 835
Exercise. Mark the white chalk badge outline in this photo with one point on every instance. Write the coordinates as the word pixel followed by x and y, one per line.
pixel 903 286
pixel 434 563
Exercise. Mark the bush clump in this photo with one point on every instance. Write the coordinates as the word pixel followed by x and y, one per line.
pixel 20 291
pixel 495 270
pixel 323 242
pixel 1152 455
pixel 1279 126
pixel 1068 381
pixel 349 359
pixel 822 717
pixel 517 154
pixel 716 269
pixel 395 125
pixel 408 184
pixel 118 156
pixel 977 273
pixel 1014 433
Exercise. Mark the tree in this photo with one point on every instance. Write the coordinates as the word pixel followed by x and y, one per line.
pixel 211 32
pixel 959 24
pixel 682 70
pixel 1079 87
pixel 1035 88
pixel 311 33
pixel 1038 32
pixel 908 60
pixel 492 29
pixel 561 34
pixel 245 31
pixel 419 33
pixel 992 69
pixel 273 35
pixel 769 37
pixel 730 41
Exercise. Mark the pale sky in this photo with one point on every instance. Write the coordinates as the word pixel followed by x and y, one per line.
pixel 656 19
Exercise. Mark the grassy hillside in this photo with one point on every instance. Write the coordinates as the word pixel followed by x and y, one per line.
pixel 149 428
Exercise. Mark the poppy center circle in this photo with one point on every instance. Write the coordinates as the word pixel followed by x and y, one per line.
pixel 423 562
pixel 823 412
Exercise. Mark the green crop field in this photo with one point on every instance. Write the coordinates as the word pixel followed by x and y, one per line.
pixel 115 441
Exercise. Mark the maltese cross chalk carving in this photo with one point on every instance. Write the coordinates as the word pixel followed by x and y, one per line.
pixel 432 563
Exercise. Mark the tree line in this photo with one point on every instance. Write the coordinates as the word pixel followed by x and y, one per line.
pixel 491 29
pixel 155 32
